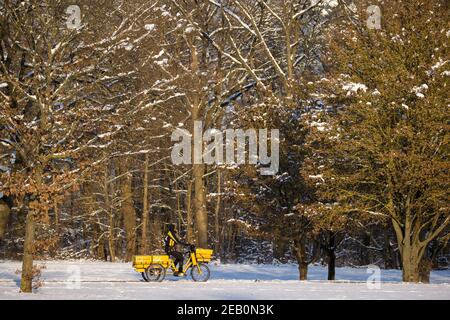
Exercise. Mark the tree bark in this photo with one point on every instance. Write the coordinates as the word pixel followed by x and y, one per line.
pixel 144 233
pixel 300 255
pixel 331 256
pixel 365 254
pixel 280 247
pixel 189 222
pixel 388 254
pixel 111 240
pixel 127 210
pixel 410 265
pixel 26 284
pixel 111 220
pixel 156 233
pixel 201 215
pixel 100 252
pixel 56 212
pixel 4 217
pixel 410 251
pixel 179 209
pixel 217 214
pixel 198 168
pixel 425 267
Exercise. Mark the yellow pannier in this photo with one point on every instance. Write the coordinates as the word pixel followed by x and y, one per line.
pixel 203 255
pixel 140 263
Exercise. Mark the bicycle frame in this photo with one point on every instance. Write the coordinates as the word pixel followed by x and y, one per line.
pixel 192 262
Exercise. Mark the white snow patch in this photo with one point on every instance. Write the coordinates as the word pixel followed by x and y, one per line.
pixel 320 126
pixel 189 30
pixel 149 27
pixel 162 62
pixel 332 3
pixel 241 222
pixel 56 48
pixel 317 177
pixel 419 90
pixel 354 88
pixel 105 135
pixel 439 64
pixel 159 55
pixel 376 93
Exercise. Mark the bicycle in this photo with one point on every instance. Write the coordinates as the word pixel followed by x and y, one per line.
pixel 154 268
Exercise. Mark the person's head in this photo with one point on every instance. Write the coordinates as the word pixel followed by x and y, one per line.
pixel 171 227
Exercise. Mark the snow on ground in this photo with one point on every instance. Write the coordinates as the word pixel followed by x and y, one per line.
pixel 103 280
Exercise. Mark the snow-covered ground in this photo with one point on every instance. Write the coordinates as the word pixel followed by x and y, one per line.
pixel 102 280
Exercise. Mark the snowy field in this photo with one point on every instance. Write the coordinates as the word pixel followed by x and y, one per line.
pixel 102 280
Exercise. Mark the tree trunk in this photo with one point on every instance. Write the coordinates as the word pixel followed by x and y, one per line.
pixel 331 256
pixel 198 168
pixel 303 268
pixel 26 284
pixel 280 247
pixel 111 220
pixel 111 242
pixel 411 252
pixel 300 255
pixel 189 222
pixel 179 209
pixel 100 240
pixel 156 233
pixel 388 254
pixel 56 212
pixel 410 265
pixel 364 257
pixel 4 217
pixel 425 267
pixel 217 215
pixel 232 243
pixel 144 233
pixel 127 210
pixel 201 215
pixel 410 272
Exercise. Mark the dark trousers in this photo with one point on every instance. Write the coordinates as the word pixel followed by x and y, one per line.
pixel 178 259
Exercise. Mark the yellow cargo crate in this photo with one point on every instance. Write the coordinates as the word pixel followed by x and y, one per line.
pixel 203 255
pixel 140 263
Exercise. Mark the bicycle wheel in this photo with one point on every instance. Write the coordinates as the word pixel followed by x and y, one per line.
pixel 200 273
pixel 155 273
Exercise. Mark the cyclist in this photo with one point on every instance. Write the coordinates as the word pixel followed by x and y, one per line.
pixel 172 248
